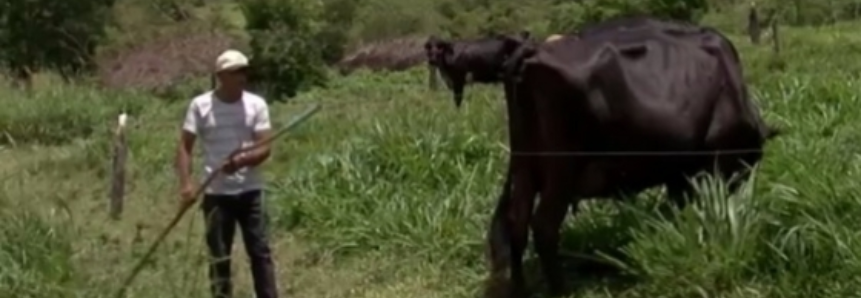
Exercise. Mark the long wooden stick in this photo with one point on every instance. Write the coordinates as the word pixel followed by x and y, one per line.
pixel 187 204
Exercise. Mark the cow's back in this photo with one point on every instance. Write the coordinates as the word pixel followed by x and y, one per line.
pixel 483 57
pixel 662 100
pixel 700 36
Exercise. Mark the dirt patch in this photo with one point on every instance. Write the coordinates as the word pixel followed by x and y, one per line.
pixel 394 55
pixel 163 62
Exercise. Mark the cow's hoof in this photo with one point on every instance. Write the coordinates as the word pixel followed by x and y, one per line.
pixel 496 287
pixel 518 292
pixel 503 288
pixel 556 291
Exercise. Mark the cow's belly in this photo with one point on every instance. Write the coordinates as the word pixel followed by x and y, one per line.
pixel 611 178
pixel 484 77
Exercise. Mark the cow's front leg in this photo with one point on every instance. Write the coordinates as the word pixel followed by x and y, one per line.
pixel 455 80
pixel 457 87
pixel 679 191
pixel 519 216
pixel 546 223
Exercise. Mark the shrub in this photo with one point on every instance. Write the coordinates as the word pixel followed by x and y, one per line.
pixel 56 35
pixel 287 58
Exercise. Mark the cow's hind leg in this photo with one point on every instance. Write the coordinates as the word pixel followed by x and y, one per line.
pixel 546 223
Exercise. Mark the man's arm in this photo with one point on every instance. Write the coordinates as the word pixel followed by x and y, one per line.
pixel 188 135
pixel 262 132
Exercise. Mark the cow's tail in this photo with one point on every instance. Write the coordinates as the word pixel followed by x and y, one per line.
pixel 499 237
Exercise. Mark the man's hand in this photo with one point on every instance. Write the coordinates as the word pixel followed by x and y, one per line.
pixel 186 194
pixel 234 163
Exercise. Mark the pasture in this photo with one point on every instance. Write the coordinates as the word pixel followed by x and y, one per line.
pixel 387 193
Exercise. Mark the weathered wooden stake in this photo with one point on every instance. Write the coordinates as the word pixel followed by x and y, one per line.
pixel 118 172
pixel 754 24
pixel 775 38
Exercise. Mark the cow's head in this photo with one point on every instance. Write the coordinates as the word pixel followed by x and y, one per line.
pixel 438 51
pixel 513 67
pixel 513 63
pixel 516 49
pixel 511 42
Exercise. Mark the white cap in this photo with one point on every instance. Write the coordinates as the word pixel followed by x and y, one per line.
pixel 553 38
pixel 230 60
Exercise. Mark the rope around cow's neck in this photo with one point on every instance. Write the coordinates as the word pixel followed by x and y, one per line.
pixel 187 204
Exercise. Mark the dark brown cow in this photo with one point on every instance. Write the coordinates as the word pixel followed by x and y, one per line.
pixel 480 60
pixel 654 88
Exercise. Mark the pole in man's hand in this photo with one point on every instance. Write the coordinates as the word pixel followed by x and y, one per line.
pixel 187 204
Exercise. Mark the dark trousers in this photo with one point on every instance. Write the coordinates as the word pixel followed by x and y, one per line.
pixel 222 212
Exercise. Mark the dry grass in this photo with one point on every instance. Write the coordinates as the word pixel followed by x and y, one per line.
pixel 393 55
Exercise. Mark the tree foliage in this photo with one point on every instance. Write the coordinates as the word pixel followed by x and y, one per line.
pixel 286 56
pixel 49 34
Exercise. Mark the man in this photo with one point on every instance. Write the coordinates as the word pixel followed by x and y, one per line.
pixel 224 119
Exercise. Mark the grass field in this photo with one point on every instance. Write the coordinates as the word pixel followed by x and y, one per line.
pixel 387 192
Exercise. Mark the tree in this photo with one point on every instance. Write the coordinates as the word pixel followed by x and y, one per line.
pixel 287 58
pixel 48 34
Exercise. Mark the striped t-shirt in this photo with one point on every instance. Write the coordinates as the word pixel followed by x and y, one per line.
pixel 221 127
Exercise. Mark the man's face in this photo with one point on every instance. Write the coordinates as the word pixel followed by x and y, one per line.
pixel 234 79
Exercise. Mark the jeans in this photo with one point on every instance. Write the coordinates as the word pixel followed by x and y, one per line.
pixel 222 212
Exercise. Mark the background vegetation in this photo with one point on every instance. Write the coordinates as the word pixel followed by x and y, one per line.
pixel 387 191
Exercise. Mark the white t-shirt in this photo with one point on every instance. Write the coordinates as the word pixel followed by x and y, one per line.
pixel 221 127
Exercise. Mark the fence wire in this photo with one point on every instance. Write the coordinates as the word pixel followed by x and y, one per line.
pixel 445 102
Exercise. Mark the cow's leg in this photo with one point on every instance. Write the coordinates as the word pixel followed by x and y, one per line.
pixel 508 238
pixel 523 199
pixel 679 191
pixel 458 82
pixel 546 223
pixel 499 240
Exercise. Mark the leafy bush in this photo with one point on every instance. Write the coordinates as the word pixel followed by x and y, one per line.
pixel 572 15
pixel 337 18
pixel 287 58
pixel 55 35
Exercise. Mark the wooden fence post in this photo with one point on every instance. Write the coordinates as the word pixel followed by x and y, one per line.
pixel 754 24
pixel 118 172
